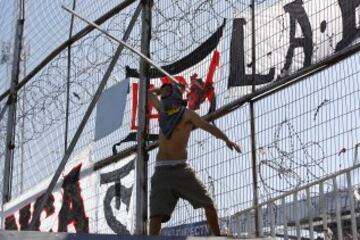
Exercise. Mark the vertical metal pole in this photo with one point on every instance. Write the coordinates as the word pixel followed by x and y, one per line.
pixel 323 207
pixel 239 224
pixel 271 207
pixel 1 216
pixel 68 80
pixel 310 214
pixel 352 207
pixel 253 132
pixel 142 155
pixel 283 203
pixel 338 211
pixel 297 216
pixel 248 223
pixel 10 134
pixel 25 52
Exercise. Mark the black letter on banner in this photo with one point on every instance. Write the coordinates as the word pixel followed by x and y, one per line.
pixel 237 60
pixel 72 210
pixel 48 208
pixel 119 192
pixel 350 32
pixel 24 218
pixel 10 223
pixel 297 13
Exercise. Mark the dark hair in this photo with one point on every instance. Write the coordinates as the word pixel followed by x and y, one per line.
pixel 175 92
pixel 166 85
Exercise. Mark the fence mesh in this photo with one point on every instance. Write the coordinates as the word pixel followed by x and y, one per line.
pixel 40 142
pixel 302 133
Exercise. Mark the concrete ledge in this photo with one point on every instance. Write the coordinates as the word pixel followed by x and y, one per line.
pixel 27 235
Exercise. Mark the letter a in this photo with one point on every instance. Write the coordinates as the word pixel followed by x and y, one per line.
pixel 350 32
pixel 72 210
pixel 298 14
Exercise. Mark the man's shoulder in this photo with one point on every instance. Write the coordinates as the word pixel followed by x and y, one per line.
pixel 190 112
pixel 188 115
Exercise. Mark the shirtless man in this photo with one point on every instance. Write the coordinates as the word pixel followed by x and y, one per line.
pixel 173 177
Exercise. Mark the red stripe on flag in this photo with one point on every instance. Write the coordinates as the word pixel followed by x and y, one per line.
pixel 213 65
pixel 135 88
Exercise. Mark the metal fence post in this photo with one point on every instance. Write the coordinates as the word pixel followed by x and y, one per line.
pixel 252 126
pixel 11 123
pixel 67 105
pixel 142 154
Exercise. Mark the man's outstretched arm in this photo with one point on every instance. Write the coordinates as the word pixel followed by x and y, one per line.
pixel 201 123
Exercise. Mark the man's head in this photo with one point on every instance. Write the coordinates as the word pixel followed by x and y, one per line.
pixel 171 96
pixel 172 108
pixel 166 90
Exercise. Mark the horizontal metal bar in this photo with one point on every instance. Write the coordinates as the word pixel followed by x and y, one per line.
pixel 67 43
pixel 115 158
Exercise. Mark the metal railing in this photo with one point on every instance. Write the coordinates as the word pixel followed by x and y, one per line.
pixel 303 227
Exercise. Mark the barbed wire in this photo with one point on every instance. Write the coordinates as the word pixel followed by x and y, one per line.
pixel 179 29
pixel 45 94
pixel 286 163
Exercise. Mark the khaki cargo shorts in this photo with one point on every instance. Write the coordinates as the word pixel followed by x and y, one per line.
pixel 169 183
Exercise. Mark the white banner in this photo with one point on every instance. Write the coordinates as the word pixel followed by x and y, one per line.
pixel 84 200
pixel 290 35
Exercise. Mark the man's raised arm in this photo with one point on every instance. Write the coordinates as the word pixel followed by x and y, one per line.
pixel 201 123
pixel 153 98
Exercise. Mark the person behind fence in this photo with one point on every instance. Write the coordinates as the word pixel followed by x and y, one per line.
pixel 173 177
